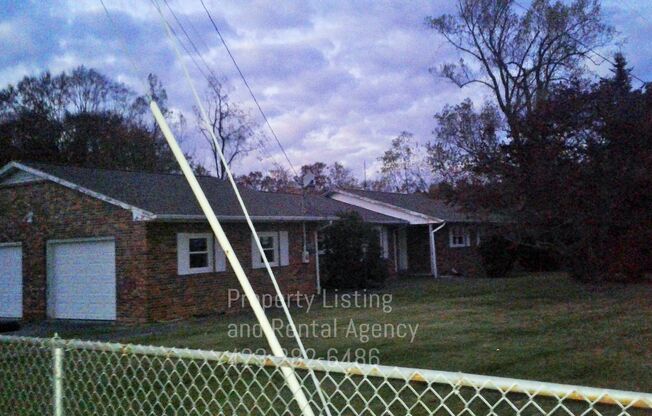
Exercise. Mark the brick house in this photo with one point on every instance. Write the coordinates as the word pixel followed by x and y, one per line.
pixel 435 238
pixel 78 243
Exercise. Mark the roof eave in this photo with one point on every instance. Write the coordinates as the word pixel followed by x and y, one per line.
pixel 426 217
pixel 137 213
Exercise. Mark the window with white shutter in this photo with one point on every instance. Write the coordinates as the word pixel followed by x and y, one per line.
pixel 194 253
pixel 459 236
pixel 275 244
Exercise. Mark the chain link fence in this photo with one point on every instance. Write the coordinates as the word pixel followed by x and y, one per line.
pixel 68 377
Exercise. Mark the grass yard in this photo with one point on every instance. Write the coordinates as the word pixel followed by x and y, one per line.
pixel 543 327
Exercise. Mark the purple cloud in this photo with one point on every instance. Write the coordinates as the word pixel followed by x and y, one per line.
pixel 338 79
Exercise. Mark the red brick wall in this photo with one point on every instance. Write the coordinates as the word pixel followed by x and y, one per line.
pixel 179 296
pixel 465 260
pixel 62 213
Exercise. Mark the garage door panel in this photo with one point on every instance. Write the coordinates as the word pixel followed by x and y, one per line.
pixel 11 281
pixel 83 280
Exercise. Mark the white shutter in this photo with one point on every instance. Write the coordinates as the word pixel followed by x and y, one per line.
pixel 256 262
pixel 284 248
pixel 182 253
pixel 220 258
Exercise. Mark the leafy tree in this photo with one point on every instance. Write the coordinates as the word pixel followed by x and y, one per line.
pixel 467 141
pixel 579 181
pixel 83 118
pixel 352 258
pixel 236 133
pixel 570 170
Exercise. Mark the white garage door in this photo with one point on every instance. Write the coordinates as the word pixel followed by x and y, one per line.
pixel 11 281
pixel 82 280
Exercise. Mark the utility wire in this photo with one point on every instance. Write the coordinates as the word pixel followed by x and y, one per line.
pixel 253 96
pixel 185 48
pixel 211 81
pixel 192 44
pixel 122 46
pixel 245 212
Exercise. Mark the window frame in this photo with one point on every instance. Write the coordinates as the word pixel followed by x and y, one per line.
pixel 452 235
pixel 275 247
pixel 183 251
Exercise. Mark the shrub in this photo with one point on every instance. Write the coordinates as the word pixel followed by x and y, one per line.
pixel 498 256
pixel 619 258
pixel 534 259
pixel 352 258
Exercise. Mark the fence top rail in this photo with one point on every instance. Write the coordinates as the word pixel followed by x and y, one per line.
pixel 625 399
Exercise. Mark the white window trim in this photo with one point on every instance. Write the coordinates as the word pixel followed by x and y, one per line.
pixel 451 234
pixel 277 253
pixel 183 253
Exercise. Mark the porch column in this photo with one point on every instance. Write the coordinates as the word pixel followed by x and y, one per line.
pixel 433 251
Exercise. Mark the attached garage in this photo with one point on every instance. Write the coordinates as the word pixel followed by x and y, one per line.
pixel 11 280
pixel 81 279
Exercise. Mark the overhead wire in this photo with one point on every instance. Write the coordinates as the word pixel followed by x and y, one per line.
pixel 245 211
pixel 137 69
pixel 253 96
pixel 214 78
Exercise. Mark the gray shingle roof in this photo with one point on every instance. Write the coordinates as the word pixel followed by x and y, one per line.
pixel 170 195
pixel 420 203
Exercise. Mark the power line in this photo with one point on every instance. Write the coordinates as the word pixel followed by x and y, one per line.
pixel 192 44
pixel 126 53
pixel 183 45
pixel 211 81
pixel 273 341
pixel 604 58
pixel 253 96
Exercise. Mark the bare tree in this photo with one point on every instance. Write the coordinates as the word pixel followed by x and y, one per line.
pixel 404 166
pixel 520 54
pixel 341 177
pixel 236 133
pixel 276 179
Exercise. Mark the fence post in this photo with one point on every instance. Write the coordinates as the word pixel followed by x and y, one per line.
pixel 57 377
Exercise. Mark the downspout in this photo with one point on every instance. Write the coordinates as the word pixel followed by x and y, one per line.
pixel 433 248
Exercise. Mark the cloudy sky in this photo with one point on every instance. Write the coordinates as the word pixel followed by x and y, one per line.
pixel 337 79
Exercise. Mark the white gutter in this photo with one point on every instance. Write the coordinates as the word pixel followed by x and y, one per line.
pixel 260 218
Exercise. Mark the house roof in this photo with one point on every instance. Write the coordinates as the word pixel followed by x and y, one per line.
pixel 169 197
pixel 417 202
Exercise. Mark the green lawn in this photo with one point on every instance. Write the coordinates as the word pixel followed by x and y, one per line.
pixel 543 327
